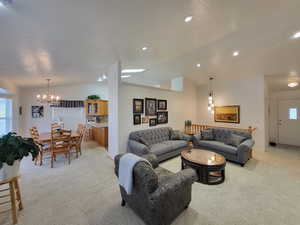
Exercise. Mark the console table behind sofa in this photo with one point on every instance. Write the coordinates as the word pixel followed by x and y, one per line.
pixel 197 128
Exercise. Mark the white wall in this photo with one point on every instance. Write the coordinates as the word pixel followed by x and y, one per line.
pixel 249 93
pixel 66 92
pixel 13 91
pixel 181 106
pixel 273 110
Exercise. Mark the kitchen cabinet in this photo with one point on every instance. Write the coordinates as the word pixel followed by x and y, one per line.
pixel 100 135
pixel 96 107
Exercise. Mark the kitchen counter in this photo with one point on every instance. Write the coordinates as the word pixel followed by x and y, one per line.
pixel 97 125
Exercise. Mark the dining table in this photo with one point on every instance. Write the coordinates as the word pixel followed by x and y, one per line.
pixel 46 136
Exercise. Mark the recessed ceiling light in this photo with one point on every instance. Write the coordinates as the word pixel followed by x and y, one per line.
pixel 144 48
pixel 296 35
pixel 133 70
pixel 236 53
pixel 188 19
pixel 198 65
pixel 293 84
pixel 2 5
pixel 102 78
pixel 125 76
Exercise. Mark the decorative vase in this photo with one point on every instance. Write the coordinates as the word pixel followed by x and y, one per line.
pixel 7 172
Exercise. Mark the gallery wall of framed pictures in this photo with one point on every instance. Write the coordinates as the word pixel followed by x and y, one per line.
pixel 150 111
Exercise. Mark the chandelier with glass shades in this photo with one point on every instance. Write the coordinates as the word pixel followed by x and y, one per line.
pixel 211 103
pixel 48 98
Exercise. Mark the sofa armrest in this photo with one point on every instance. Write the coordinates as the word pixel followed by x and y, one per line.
pixel 149 157
pixel 180 180
pixel 152 159
pixel 187 175
pixel 185 137
pixel 245 146
pixel 117 161
pixel 196 138
pixel 137 148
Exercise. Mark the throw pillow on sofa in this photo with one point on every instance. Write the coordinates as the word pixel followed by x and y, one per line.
pixel 178 135
pixel 175 135
pixel 235 140
pixel 207 134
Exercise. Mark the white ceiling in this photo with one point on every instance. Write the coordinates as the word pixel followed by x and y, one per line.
pixel 280 82
pixel 74 41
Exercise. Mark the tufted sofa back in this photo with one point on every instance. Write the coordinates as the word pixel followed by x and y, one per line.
pixel 222 134
pixel 153 136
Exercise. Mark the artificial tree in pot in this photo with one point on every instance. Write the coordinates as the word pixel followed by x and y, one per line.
pixel 12 150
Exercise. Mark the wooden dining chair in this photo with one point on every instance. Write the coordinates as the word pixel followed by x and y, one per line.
pixel 65 132
pixel 60 144
pixel 55 126
pixel 86 132
pixel 80 127
pixel 77 141
pixel 44 147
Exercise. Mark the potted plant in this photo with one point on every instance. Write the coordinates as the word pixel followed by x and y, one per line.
pixel 93 97
pixel 12 150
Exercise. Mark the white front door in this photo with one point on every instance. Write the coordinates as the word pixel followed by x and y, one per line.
pixel 289 122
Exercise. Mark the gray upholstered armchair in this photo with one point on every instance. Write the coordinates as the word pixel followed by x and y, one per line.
pixel 159 195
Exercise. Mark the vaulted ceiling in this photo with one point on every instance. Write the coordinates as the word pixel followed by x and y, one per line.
pixel 74 41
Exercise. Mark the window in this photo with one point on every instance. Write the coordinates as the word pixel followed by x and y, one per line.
pixel 293 114
pixel 5 116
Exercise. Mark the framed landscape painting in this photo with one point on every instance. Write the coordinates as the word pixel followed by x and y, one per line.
pixel 227 114
pixel 150 106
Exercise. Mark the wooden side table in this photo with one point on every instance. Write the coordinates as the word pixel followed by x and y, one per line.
pixel 14 195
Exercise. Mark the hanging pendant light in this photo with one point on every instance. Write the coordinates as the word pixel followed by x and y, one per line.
pixel 211 103
pixel 48 98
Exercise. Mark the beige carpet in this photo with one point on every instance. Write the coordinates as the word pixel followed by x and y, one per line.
pixel 266 191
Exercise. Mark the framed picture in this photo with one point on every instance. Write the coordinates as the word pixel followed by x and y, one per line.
pixel 145 119
pixel 150 106
pixel 138 105
pixel 162 104
pixel 152 122
pixel 37 111
pixel 162 117
pixel 227 114
pixel 136 119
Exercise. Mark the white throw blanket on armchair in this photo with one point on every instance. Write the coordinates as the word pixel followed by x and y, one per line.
pixel 126 165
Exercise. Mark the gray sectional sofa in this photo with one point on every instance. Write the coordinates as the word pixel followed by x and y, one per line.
pixel 233 144
pixel 163 142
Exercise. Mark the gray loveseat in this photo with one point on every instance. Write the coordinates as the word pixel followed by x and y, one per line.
pixel 219 143
pixel 158 195
pixel 158 141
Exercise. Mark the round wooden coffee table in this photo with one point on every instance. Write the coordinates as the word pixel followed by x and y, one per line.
pixel 210 166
